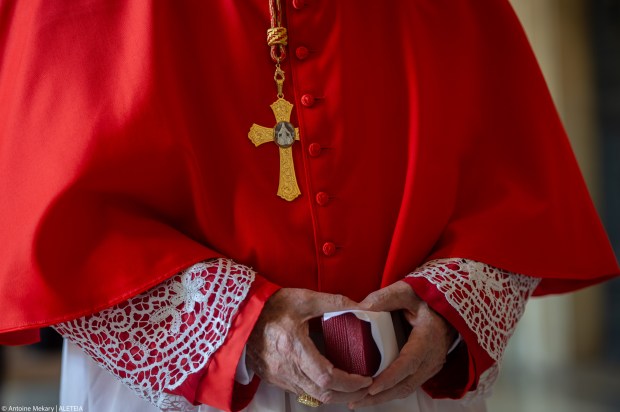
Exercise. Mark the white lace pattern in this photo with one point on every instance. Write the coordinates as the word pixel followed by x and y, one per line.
pixel 490 300
pixel 154 341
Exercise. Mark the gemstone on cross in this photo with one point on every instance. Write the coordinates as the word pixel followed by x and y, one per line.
pixel 283 134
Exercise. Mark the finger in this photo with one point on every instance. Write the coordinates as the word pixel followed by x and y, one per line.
pixel 333 397
pixel 406 364
pixel 316 304
pixel 294 380
pixel 342 397
pixel 394 297
pixel 318 369
pixel 329 395
pixel 402 390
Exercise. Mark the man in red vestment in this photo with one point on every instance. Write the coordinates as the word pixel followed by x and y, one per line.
pixel 147 216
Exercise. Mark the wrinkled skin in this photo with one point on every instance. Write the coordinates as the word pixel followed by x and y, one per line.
pixel 281 352
pixel 423 355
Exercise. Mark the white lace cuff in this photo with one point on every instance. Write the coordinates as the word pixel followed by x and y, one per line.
pixel 490 300
pixel 155 340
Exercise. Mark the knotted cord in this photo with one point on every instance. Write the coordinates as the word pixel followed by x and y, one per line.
pixel 277 37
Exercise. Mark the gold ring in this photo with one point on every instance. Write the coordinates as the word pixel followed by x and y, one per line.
pixel 308 400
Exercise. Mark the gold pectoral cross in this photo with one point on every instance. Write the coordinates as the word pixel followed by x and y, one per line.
pixel 284 135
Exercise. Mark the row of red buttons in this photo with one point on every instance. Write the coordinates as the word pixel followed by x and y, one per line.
pixel 314 149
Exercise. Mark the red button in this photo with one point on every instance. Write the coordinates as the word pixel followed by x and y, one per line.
pixel 314 149
pixel 322 198
pixel 307 100
pixel 329 249
pixel 299 4
pixel 302 52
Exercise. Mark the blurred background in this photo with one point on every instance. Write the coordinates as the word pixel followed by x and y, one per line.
pixel 565 355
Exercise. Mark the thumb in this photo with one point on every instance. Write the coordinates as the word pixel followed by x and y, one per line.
pixel 394 297
pixel 320 303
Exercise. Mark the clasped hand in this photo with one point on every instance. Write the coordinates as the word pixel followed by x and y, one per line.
pixel 281 352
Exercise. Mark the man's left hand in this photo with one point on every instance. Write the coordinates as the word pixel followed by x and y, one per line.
pixel 423 355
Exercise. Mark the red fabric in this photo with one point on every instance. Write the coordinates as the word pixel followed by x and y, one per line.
pixel 349 345
pixel 180 321
pixel 124 155
pixel 466 363
pixel 20 337
pixel 217 386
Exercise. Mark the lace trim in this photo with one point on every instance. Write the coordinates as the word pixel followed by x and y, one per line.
pixel 154 341
pixel 490 300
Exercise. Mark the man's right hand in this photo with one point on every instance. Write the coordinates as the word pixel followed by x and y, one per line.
pixel 281 352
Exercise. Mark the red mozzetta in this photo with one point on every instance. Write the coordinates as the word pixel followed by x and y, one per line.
pixel 426 132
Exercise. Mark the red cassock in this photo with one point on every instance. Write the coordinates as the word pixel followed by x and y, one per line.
pixel 426 129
